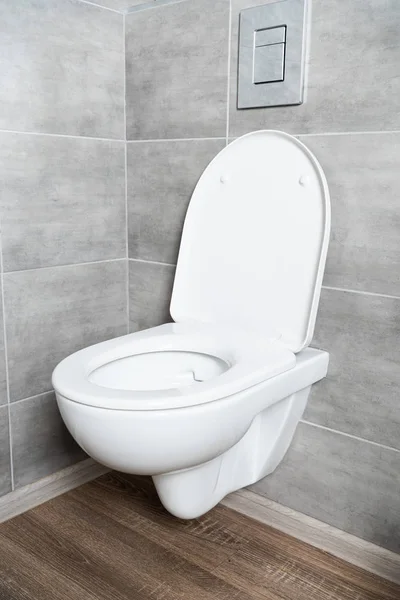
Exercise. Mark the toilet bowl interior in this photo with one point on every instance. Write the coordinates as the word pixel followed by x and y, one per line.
pixel 166 370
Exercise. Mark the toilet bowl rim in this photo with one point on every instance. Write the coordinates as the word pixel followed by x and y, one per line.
pixel 251 360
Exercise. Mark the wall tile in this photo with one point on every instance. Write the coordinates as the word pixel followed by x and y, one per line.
pixel 5 471
pixel 353 73
pixel 360 395
pixel 53 312
pixel 63 66
pixel 161 179
pixel 176 60
pixel 363 177
pixel 63 200
pixel 150 288
pixel 41 442
pixel 121 5
pixel 347 483
pixel 3 381
pixel 124 5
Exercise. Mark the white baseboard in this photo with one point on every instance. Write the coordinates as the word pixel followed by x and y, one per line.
pixel 343 545
pixel 45 489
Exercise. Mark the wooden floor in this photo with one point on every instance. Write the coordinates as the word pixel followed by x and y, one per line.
pixel 112 540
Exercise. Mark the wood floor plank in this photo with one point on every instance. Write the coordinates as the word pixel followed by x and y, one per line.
pixel 284 559
pixel 112 540
pixel 206 542
pixel 64 561
pixel 135 552
pixel 24 575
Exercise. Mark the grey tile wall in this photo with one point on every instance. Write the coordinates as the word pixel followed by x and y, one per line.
pixel 353 80
pixel 342 481
pixel 150 288
pixel 5 465
pixel 40 441
pixel 63 200
pixel 360 395
pixel 176 65
pixel 161 179
pixel 3 374
pixel 63 68
pixel 363 174
pixel 53 312
pixel 121 5
pixel 62 214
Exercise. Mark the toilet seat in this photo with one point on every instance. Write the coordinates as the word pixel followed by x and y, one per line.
pixel 249 360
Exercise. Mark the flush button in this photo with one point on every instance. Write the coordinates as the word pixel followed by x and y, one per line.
pixel 271 35
pixel 269 63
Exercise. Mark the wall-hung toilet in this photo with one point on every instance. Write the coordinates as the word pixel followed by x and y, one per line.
pixel 210 403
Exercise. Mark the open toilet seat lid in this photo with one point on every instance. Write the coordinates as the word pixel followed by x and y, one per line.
pixel 252 361
pixel 255 240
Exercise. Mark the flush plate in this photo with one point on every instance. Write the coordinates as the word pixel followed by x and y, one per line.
pixel 272 53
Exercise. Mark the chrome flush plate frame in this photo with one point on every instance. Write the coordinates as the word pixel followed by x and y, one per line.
pixel 254 93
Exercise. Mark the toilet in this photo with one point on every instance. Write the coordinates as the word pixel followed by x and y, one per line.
pixel 209 403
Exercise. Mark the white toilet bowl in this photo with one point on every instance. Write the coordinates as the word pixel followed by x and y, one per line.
pixel 209 404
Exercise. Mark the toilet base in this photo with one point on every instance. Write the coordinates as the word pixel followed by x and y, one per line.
pixel 190 493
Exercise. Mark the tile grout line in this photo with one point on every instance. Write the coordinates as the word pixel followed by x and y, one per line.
pixel 307 54
pixel 163 140
pixel 124 71
pixel 360 292
pixel 229 72
pixel 350 435
pixel 91 262
pixel 153 262
pixel 32 397
pixel 100 6
pixel 326 133
pixel 334 133
pixel 126 187
pixel 103 139
pixel 10 438
pixel 349 291
pixel 62 135
pixel 149 5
